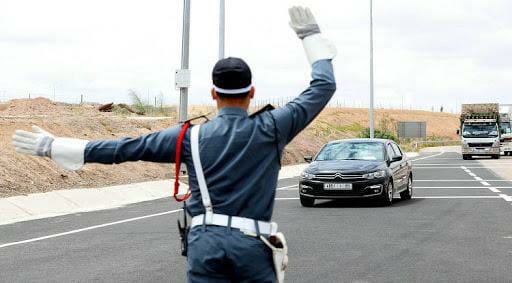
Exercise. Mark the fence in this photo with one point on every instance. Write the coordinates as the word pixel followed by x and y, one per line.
pixel 157 98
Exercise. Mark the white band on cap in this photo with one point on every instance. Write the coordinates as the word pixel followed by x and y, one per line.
pixel 232 91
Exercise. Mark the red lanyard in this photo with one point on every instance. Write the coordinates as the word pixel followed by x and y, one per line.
pixel 184 129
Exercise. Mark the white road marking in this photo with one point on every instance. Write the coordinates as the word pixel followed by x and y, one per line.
pixel 458 164
pixel 459 197
pixel 461 180
pixel 288 188
pixel 88 228
pixel 113 223
pixel 506 197
pixel 430 156
pixel 445 187
pixel 494 190
pixel 454 167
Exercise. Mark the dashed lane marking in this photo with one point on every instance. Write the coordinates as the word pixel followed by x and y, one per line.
pixel 506 197
pixel 494 190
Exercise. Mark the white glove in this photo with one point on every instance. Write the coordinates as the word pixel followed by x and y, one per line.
pixel 305 26
pixel 66 152
pixel 38 143
pixel 303 22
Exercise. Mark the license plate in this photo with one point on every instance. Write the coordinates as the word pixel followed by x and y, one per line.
pixel 338 186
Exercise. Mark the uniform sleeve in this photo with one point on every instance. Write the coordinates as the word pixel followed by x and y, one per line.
pixel 297 114
pixel 155 147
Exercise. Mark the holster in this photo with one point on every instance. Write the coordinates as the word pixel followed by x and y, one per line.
pixel 183 230
pixel 279 247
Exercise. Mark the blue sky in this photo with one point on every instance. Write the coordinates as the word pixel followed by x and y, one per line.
pixel 427 53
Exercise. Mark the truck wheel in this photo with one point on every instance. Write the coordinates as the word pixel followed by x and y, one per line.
pixel 307 201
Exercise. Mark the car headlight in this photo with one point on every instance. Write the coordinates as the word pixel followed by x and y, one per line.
pixel 307 176
pixel 375 175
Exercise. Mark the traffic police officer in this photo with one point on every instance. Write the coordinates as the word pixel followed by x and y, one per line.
pixel 234 167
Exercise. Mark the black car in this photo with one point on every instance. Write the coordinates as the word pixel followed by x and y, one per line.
pixel 357 168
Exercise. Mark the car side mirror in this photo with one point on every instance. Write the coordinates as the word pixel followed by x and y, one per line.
pixel 396 159
pixel 458 132
pixel 308 158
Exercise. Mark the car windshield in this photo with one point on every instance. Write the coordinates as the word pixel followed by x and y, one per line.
pixel 480 130
pixel 352 151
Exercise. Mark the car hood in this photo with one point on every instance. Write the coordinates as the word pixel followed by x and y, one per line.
pixel 344 166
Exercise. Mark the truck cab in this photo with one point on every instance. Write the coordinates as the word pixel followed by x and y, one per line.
pixel 506 129
pixel 480 130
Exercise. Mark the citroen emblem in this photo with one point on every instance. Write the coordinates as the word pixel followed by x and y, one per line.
pixel 338 175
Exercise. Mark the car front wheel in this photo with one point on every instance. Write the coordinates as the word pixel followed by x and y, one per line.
pixel 307 201
pixel 386 198
pixel 407 194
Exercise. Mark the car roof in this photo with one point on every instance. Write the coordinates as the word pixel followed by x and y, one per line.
pixel 362 140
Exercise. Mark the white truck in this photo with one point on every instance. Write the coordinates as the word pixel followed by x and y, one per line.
pixel 480 130
pixel 506 129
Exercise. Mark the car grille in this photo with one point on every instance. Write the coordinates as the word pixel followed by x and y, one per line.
pixel 480 144
pixel 337 176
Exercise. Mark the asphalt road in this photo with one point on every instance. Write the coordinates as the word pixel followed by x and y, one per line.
pixel 457 228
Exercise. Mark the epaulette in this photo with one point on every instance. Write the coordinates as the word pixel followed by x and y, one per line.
pixel 265 108
pixel 204 116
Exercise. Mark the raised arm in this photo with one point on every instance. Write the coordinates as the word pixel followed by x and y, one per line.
pixel 72 154
pixel 297 114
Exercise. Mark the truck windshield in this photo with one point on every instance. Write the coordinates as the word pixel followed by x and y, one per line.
pixel 505 128
pixel 480 131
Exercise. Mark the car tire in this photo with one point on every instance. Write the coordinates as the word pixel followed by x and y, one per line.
pixel 466 157
pixel 307 201
pixel 407 194
pixel 386 198
pixel 496 156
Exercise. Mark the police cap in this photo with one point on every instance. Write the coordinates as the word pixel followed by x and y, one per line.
pixel 232 77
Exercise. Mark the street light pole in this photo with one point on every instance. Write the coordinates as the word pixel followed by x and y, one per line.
pixel 185 59
pixel 222 27
pixel 372 126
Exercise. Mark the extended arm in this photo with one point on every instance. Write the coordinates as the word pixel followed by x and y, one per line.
pixel 297 114
pixel 72 154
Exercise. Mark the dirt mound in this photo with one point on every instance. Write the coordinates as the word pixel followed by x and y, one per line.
pixel 36 106
pixel 21 174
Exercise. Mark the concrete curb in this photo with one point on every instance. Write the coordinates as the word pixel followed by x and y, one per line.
pixel 55 203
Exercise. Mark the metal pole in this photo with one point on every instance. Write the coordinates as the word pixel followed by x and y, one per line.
pixel 184 58
pixel 222 27
pixel 372 126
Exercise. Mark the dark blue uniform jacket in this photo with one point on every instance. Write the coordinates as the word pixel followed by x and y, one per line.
pixel 240 155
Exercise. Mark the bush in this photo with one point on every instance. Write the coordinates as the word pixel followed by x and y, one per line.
pixel 379 134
